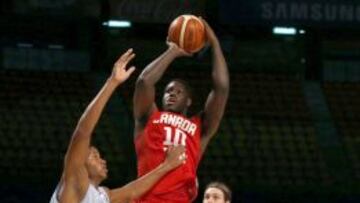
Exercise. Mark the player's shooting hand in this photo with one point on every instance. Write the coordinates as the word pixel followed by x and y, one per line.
pixel 120 71
pixel 178 51
pixel 210 34
pixel 175 156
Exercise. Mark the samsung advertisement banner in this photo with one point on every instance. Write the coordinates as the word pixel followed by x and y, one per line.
pixel 294 12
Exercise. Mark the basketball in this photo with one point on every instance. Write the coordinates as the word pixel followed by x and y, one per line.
pixel 188 32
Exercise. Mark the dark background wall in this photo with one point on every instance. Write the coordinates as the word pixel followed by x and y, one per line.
pixel 290 132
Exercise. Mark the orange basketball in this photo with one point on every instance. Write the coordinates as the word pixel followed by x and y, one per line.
pixel 188 32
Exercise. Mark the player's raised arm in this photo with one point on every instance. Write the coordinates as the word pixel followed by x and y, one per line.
pixel 75 175
pixel 216 101
pixel 137 188
pixel 144 95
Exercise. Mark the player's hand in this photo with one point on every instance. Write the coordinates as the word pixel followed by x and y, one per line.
pixel 175 156
pixel 210 34
pixel 120 71
pixel 178 51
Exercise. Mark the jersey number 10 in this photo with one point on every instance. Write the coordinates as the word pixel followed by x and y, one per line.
pixel 174 136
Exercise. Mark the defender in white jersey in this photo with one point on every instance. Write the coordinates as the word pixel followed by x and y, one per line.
pixel 93 195
pixel 84 169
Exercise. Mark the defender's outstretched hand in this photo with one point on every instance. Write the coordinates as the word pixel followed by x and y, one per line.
pixel 120 72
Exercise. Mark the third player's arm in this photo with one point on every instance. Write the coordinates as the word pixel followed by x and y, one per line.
pixel 216 101
pixel 137 188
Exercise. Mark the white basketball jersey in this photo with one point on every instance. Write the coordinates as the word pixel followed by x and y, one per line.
pixel 92 195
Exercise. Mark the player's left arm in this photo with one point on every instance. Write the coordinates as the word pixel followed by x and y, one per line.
pixel 216 101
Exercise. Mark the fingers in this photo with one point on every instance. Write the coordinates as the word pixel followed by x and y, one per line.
pixel 176 155
pixel 210 34
pixel 125 58
pixel 126 55
pixel 130 57
pixel 179 50
pixel 206 24
pixel 187 53
pixel 172 44
pixel 180 152
pixel 175 150
pixel 182 157
pixel 131 70
pixel 169 148
pixel 179 148
pixel 203 21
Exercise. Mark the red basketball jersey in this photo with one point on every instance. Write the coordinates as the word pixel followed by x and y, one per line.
pixel 163 129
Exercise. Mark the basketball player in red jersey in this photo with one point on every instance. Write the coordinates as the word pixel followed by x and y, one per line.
pixel 155 129
pixel 85 169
